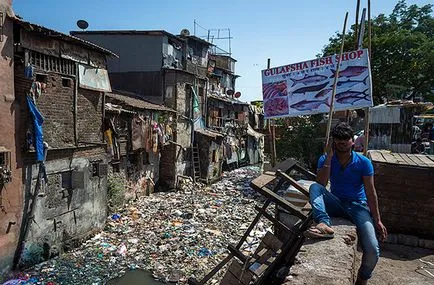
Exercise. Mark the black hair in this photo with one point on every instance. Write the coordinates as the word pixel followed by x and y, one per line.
pixel 342 131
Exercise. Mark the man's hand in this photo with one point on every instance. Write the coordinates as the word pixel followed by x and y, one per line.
pixel 382 231
pixel 329 149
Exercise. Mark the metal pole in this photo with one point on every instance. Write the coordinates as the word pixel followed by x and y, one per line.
pixel 366 132
pixel 338 63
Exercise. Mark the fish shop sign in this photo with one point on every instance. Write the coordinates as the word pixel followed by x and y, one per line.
pixel 305 88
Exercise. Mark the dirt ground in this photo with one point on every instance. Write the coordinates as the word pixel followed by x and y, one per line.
pixel 400 265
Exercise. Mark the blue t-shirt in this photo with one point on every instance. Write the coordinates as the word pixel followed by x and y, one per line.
pixel 347 184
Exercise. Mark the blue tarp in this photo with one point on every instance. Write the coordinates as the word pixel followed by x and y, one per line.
pixel 38 120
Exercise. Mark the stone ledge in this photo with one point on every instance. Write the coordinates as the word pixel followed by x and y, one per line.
pixel 329 261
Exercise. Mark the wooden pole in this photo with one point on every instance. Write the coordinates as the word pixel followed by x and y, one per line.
pixel 338 63
pixel 366 132
pixel 272 131
pixel 273 137
pixel 356 29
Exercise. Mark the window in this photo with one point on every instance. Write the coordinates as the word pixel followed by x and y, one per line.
pixel 67 82
pixel 67 180
pixel 41 78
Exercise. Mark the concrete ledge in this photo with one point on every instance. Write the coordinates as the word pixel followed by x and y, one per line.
pixel 327 261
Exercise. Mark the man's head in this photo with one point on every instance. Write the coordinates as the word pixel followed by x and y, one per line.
pixel 342 135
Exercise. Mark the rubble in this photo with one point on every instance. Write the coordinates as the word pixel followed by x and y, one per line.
pixel 175 235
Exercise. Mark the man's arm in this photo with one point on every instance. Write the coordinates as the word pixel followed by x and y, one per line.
pixel 371 194
pixel 323 173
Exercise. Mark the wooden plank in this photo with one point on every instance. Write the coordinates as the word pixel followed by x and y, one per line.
pixel 407 160
pixel 376 156
pixel 279 201
pixel 237 253
pixel 399 158
pixel 416 160
pixel 285 165
pixel 310 175
pixel 425 159
pixel 275 221
pixel 237 275
pixel 293 182
pixel 267 257
pixel 262 180
pixel 390 158
pixel 272 241
pixel 430 157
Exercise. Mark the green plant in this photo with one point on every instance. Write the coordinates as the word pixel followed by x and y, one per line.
pixel 301 139
pixel 115 191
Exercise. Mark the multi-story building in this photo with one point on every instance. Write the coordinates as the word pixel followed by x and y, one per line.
pixel 52 116
pixel 165 69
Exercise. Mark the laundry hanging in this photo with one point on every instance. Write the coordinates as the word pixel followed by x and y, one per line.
pixel 38 120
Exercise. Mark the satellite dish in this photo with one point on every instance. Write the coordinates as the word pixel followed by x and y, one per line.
pixel 82 24
pixel 237 94
pixel 229 92
pixel 185 32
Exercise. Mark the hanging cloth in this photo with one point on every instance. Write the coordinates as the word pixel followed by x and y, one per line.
pixel 109 139
pixel 35 90
pixel 38 120
pixel 136 133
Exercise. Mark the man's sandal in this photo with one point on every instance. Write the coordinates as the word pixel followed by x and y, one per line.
pixel 320 231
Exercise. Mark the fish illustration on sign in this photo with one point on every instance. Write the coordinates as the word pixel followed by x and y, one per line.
pixel 305 105
pixel 350 93
pixel 274 89
pixel 350 83
pixel 311 88
pixel 351 97
pixel 350 71
pixel 323 92
pixel 309 79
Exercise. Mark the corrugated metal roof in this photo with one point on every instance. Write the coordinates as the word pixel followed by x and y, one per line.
pixel 209 133
pixel 228 100
pixel 135 102
pixel 58 35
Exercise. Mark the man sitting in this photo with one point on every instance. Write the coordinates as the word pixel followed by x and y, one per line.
pixel 353 196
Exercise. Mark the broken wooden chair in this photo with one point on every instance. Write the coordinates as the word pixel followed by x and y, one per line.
pixel 272 254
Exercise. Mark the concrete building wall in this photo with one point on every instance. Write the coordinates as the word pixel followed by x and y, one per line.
pixel 71 205
pixel 11 198
pixel 137 53
pixel 146 83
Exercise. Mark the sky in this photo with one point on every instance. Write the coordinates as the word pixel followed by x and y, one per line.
pixel 286 31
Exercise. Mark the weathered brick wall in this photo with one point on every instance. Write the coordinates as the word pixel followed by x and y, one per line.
pixel 55 104
pixel 406 198
pixel 89 116
pixel 11 199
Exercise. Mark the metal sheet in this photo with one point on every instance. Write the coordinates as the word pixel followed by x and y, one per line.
pixel 385 115
pixel 93 78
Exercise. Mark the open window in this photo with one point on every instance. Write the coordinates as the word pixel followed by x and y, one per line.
pixel 5 166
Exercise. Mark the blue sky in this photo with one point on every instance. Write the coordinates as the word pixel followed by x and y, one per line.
pixel 286 31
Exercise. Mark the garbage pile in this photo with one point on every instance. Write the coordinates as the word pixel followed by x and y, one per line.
pixel 175 235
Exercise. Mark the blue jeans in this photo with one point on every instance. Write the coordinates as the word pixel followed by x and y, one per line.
pixel 326 205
